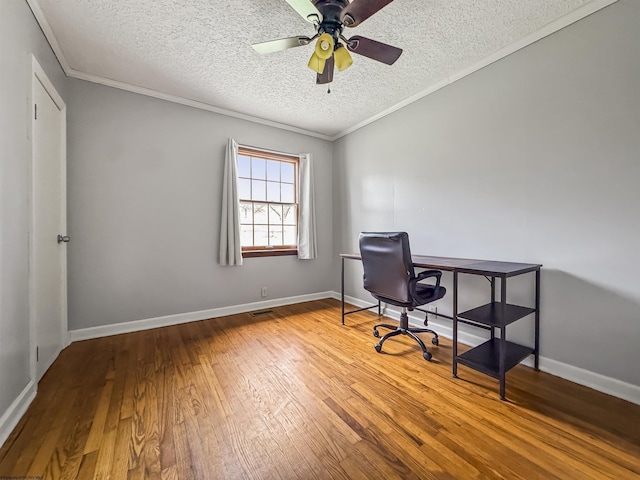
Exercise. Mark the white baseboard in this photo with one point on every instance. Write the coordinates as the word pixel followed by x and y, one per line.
pixel 578 375
pixel 16 410
pixel 602 383
pixel 608 385
pixel 165 321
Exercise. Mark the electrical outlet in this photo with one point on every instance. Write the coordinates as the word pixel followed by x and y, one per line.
pixel 263 292
pixel 433 310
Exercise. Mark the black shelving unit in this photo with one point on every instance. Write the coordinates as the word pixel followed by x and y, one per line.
pixel 496 356
pixel 486 357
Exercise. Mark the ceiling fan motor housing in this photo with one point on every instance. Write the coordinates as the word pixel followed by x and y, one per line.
pixel 331 11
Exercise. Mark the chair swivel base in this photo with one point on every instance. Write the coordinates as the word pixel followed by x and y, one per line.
pixel 403 329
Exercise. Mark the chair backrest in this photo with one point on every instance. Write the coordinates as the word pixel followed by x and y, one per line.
pixel 386 258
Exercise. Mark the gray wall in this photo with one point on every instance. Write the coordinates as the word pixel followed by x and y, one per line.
pixel 20 37
pixel 144 193
pixel 535 158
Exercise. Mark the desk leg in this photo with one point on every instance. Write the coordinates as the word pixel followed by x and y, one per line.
pixel 537 321
pixel 493 301
pixel 342 289
pixel 503 336
pixel 454 362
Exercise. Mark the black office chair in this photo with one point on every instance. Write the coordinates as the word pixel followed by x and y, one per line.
pixel 390 277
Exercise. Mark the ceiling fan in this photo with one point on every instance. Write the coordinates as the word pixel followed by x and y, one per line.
pixel 329 18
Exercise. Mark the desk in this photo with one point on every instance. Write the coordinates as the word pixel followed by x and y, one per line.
pixel 497 355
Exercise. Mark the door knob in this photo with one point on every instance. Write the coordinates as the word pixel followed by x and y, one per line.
pixel 63 238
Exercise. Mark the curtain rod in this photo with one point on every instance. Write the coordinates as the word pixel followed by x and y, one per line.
pixel 297 155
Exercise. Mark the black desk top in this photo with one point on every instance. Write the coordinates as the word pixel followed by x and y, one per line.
pixel 466 265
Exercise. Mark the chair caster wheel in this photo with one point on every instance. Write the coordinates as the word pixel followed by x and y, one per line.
pixel 434 340
pixel 378 347
pixel 427 356
pixel 376 333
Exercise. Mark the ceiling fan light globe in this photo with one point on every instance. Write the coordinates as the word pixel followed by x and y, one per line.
pixel 324 46
pixel 316 63
pixel 342 58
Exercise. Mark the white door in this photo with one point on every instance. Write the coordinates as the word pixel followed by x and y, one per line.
pixel 48 256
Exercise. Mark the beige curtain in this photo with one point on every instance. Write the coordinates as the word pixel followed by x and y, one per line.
pixel 307 244
pixel 230 248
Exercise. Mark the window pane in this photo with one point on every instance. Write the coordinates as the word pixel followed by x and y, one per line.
pixel 246 213
pixel 287 193
pixel 287 172
pixel 260 213
pixel 290 236
pixel 244 188
pixel 244 166
pixel 258 168
pixel 275 235
pixel 258 190
pixel 273 191
pixel 267 189
pixel 260 236
pixel 275 214
pixel 246 235
pixel 273 170
pixel 289 215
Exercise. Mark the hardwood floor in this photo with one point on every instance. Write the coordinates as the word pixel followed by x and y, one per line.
pixel 294 394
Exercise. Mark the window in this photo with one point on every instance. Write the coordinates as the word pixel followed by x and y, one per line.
pixel 268 186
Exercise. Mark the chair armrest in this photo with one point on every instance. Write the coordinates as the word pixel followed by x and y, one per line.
pixel 429 274
pixel 413 284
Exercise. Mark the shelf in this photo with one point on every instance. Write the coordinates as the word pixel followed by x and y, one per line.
pixel 486 357
pixel 491 314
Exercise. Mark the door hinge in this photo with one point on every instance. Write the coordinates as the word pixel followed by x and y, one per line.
pixel 37 354
pixel 35 111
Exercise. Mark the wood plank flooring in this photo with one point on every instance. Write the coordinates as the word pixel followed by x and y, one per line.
pixel 295 395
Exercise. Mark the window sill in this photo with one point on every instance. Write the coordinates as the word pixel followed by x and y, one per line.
pixel 271 252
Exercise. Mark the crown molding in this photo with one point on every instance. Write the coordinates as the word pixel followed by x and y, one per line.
pixel 545 31
pixel 70 72
pixel 188 102
pixel 48 33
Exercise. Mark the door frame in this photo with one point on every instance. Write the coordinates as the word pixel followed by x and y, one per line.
pixel 38 75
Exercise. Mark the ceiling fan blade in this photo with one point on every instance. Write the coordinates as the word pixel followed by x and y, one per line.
pixel 359 10
pixel 327 74
pixel 306 10
pixel 375 50
pixel 281 44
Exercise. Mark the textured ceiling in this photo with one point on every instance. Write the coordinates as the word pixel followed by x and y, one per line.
pixel 200 51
